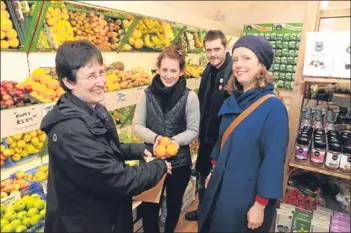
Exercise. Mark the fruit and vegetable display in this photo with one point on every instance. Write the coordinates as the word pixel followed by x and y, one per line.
pixel 118 78
pixel 9 186
pixel 22 146
pixel 36 174
pixel 285 40
pixel 9 36
pixel 44 87
pixel 192 70
pixel 192 41
pixel 24 214
pixel 150 33
pixel 14 95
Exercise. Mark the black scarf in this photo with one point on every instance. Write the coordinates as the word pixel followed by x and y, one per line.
pixel 167 97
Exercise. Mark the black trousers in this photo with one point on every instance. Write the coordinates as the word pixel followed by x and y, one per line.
pixel 175 185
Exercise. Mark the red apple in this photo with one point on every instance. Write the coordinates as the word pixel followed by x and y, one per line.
pixel 20 88
pixel 8 86
pixel 9 103
pixel 18 93
pixel 28 89
pixel 12 93
pixel 24 186
pixel 6 97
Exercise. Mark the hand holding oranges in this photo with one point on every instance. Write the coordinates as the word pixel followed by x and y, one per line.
pixel 165 147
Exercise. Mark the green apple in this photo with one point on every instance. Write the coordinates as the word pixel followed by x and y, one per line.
pixel 35 219
pixel 29 204
pixel 16 223
pixel 25 198
pixel 32 211
pixel 35 196
pixel 7 228
pixel 42 213
pixel 2 208
pixel 9 209
pixel 22 214
pixel 19 206
pixel 26 222
pixel 39 204
pixel 10 216
pixel 3 222
pixel 20 228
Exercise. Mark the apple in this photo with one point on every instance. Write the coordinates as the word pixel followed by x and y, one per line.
pixel 39 204
pixel 19 206
pixel 12 93
pixel 6 97
pixel 26 222
pixel 20 88
pixel 32 211
pixel 16 157
pixel 8 188
pixel 35 196
pixel 20 175
pixel 7 228
pixel 16 222
pixel 35 219
pixel 28 89
pixel 10 216
pixel 3 195
pixel 24 186
pixel 9 103
pixel 16 186
pixel 29 204
pixel 42 213
pixel 21 228
pixel 18 92
pixel 21 215
pixel 4 222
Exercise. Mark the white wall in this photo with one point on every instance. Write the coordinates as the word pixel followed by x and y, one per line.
pixel 157 9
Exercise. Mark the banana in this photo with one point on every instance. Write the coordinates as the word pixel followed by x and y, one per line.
pixel 147 41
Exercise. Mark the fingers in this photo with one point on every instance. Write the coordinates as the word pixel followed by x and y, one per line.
pixel 147 153
pixel 169 167
pixel 253 226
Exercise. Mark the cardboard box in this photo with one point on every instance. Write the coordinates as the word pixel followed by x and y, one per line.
pixel 152 195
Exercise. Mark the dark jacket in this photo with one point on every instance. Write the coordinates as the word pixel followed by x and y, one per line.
pixel 251 163
pixel 90 188
pixel 209 125
pixel 169 124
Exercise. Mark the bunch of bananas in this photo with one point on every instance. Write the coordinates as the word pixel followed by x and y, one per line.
pixel 192 71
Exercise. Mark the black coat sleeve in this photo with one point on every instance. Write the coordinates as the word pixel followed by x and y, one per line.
pixel 132 151
pixel 93 166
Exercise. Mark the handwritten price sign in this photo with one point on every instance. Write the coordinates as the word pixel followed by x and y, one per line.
pixel 48 107
pixel 121 97
pixel 25 117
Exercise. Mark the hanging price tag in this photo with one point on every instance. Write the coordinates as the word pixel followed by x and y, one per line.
pixel 9 200
pixel 197 83
pixel 44 184
pixel 48 107
pixel 25 117
pixel 140 92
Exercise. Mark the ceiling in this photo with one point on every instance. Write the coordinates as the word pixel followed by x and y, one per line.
pixel 237 13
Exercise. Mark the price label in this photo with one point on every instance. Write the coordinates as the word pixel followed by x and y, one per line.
pixel 197 83
pixel 25 117
pixel 9 200
pixel 140 92
pixel 44 184
pixel 47 108
pixel 121 97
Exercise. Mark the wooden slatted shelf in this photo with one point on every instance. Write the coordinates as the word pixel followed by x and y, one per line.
pixel 322 170
pixel 326 79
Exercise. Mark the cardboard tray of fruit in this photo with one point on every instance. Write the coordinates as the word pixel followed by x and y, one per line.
pixel 11 34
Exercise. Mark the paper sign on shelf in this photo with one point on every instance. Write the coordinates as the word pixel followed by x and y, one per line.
pixel 121 97
pixel 48 107
pixel 25 117
pixel 139 92
pixel 9 200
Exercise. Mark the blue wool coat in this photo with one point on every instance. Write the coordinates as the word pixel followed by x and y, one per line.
pixel 251 162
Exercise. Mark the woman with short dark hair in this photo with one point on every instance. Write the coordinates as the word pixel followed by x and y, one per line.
pixel 90 188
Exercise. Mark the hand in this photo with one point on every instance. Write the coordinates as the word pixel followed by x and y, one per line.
pixel 208 180
pixel 255 216
pixel 169 167
pixel 147 156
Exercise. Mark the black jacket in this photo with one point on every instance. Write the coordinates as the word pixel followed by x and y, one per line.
pixel 209 126
pixel 90 188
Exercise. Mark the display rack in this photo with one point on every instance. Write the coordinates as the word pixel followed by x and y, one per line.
pixel 313 16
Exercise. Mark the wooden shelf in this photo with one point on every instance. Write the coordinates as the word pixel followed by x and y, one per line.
pixel 326 79
pixel 322 170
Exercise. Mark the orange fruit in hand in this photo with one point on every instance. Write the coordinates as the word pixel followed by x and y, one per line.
pixel 160 151
pixel 165 141
pixel 172 150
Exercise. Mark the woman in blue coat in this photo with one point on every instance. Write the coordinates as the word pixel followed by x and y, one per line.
pixel 247 177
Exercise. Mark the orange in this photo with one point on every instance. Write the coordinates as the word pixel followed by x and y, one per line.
pixel 4 44
pixel 3 5
pixel 3 35
pixel 172 150
pixel 6 24
pixel 11 34
pixel 165 141
pixel 14 43
pixel 160 151
pixel 5 14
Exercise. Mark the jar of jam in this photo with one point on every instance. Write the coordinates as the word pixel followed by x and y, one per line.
pixel 332 159
pixel 318 153
pixel 345 159
pixel 301 153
